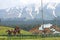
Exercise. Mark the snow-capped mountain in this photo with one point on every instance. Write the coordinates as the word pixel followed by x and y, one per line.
pixel 32 12
pixel 28 12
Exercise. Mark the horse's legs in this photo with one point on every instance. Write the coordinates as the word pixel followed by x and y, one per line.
pixel 18 32
pixel 14 32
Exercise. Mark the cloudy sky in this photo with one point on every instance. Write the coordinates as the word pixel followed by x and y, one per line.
pixel 12 3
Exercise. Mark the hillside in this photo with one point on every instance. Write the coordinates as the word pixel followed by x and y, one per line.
pixel 3 30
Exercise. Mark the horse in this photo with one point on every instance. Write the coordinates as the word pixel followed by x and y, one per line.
pixel 14 32
pixel 9 32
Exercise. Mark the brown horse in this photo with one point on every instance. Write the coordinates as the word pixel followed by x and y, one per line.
pixel 9 32
pixel 14 32
pixel 17 29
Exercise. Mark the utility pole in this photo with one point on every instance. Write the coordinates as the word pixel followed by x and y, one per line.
pixel 42 14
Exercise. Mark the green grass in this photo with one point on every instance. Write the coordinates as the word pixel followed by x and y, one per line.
pixel 25 35
pixel 23 32
pixel 18 38
pixel 3 30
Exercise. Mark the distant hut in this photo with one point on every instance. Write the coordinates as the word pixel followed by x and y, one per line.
pixel 36 30
pixel 55 29
pixel 45 29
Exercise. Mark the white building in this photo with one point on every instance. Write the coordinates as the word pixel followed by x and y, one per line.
pixel 48 26
pixel 45 26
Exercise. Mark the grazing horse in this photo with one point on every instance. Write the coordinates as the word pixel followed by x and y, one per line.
pixel 15 31
pixel 9 32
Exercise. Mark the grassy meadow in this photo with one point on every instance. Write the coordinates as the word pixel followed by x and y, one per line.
pixel 25 35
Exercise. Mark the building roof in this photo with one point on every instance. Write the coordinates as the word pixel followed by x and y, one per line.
pixel 45 26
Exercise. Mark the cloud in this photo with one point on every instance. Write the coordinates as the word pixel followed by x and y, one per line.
pixel 7 4
pixel 13 3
